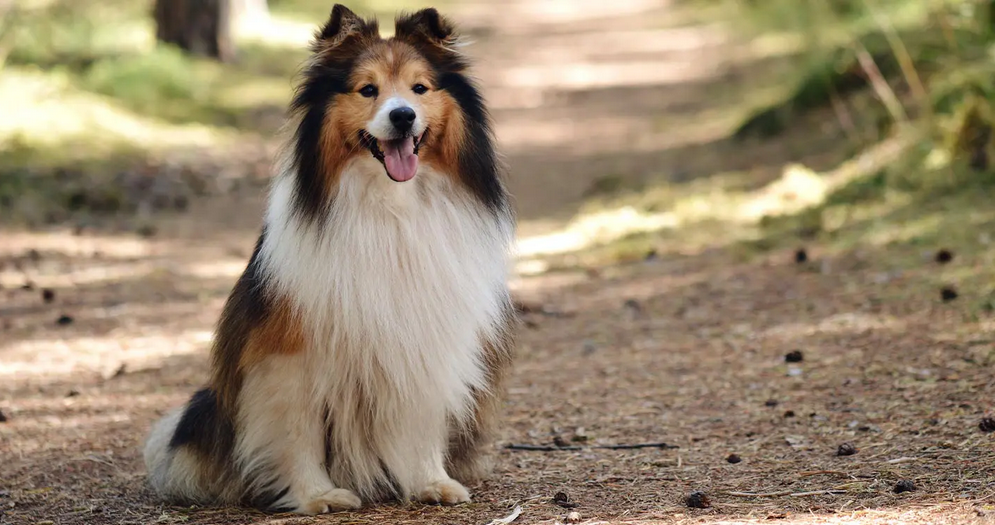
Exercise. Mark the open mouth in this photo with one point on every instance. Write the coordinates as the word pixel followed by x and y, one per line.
pixel 398 156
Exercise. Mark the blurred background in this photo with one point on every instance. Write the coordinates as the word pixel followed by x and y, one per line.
pixel 616 118
pixel 850 137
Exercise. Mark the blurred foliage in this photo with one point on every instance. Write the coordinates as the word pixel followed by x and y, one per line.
pixel 939 40
pixel 97 99
pixel 107 47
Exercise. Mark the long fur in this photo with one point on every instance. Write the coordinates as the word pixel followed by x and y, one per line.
pixel 360 356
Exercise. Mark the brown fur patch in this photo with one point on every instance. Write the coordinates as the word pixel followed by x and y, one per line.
pixel 281 333
pixel 253 325
pixel 442 147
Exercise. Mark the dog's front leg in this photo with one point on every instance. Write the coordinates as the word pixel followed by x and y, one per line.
pixel 281 442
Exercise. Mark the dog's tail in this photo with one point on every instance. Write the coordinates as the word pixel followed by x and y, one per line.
pixel 158 454
pixel 179 474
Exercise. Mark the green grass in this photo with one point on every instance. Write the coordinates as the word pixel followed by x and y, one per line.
pixel 934 37
pixel 936 191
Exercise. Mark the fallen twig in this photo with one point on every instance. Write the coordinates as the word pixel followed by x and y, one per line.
pixel 637 445
pixel 554 448
pixel 539 448
pixel 787 493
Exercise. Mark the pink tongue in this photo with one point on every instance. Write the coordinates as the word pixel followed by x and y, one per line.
pixel 400 159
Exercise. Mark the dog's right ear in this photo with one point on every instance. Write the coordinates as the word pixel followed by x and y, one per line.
pixel 341 24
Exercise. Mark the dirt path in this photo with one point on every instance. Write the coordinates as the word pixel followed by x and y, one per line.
pixel 687 350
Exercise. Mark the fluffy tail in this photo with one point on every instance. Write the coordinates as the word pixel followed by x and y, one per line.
pixel 179 474
pixel 159 455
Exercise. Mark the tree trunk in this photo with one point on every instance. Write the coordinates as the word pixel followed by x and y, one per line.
pixel 201 27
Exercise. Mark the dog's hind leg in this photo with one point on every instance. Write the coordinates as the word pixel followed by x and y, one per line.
pixel 282 436
pixel 469 441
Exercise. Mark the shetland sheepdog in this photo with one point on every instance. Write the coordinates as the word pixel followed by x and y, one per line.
pixel 360 356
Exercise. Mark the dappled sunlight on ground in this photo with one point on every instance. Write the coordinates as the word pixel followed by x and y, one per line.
pixel 654 304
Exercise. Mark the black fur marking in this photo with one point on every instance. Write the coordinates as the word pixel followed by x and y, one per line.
pixel 387 487
pixel 321 84
pixel 202 424
pixel 206 428
pixel 267 501
pixel 246 308
pixel 478 163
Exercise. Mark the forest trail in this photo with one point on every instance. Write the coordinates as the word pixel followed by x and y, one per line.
pixel 686 347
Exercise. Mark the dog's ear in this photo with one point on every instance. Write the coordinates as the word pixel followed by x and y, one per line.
pixel 341 24
pixel 434 35
pixel 427 25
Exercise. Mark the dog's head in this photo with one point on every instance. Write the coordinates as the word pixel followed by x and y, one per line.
pixel 401 102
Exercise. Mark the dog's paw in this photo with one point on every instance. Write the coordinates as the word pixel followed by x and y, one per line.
pixel 445 492
pixel 331 501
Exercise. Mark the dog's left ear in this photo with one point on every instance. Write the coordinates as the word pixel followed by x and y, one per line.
pixel 426 24
pixel 434 35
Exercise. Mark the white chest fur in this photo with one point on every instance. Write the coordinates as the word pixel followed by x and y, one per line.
pixel 397 288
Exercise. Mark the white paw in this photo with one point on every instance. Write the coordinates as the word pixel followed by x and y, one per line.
pixel 445 492
pixel 331 501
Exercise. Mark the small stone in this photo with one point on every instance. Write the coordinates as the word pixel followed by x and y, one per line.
pixel 987 424
pixel 904 486
pixel 698 500
pixel 846 449
pixel 561 499
pixel 794 356
pixel 180 202
pixel 944 256
pixel 734 458
pixel 146 231
pixel 47 295
pixel 573 517
pixel 948 293
pixel 64 320
pixel 801 256
pixel 560 442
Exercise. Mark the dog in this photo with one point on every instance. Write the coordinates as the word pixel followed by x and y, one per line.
pixel 360 356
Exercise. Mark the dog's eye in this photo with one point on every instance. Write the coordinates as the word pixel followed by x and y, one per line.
pixel 419 89
pixel 368 91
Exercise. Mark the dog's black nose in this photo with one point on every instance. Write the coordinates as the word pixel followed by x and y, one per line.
pixel 402 118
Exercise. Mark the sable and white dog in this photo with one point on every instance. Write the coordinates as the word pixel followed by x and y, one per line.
pixel 360 355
